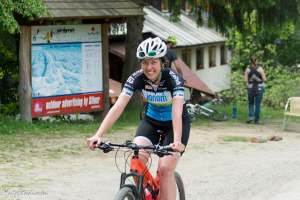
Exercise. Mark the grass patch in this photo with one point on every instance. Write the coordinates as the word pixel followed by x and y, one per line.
pixel 24 142
pixel 267 114
pixel 11 126
pixel 235 139
pixel 249 139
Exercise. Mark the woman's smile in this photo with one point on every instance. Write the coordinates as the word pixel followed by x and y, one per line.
pixel 151 68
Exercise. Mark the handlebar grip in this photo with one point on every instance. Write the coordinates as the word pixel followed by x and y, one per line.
pixel 105 147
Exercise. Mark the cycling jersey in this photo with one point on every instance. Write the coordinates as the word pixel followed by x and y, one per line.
pixel 158 97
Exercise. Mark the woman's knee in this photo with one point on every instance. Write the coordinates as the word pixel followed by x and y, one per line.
pixel 144 141
pixel 167 167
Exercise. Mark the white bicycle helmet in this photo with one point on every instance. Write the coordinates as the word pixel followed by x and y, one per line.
pixel 151 48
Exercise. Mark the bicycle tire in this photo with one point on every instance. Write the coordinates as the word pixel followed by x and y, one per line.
pixel 218 116
pixel 191 113
pixel 180 186
pixel 125 193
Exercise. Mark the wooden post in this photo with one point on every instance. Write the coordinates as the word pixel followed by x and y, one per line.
pixel 25 74
pixel 133 38
pixel 105 62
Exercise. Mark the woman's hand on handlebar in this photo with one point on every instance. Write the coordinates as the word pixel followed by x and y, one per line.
pixel 93 142
pixel 178 146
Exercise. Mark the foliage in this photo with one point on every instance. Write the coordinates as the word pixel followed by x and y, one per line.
pixel 237 91
pixel 226 14
pixel 281 84
pixel 252 41
pixel 175 11
pixel 10 12
pixel 12 9
pixel 11 126
pixel 271 24
pixel 8 80
pixel 289 50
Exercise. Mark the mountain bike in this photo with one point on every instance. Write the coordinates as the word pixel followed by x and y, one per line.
pixel 206 110
pixel 138 183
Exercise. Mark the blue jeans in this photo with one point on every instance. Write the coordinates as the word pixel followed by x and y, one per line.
pixel 254 100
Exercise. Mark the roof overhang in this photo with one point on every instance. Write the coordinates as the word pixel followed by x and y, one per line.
pixel 187 32
pixel 191 79
pixel 90 9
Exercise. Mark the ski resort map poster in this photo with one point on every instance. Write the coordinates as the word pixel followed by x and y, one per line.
pixel 66 69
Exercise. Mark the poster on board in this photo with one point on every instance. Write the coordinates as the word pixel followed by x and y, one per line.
pixel 66 69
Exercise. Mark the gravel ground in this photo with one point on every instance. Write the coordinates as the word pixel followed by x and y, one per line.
pixel 211 169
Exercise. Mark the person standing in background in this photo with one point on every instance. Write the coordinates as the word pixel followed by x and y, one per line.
pixel 255 79
pixel 171 57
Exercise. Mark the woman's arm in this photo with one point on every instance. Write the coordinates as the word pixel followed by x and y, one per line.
pixel 263 75
pixel 113 114
pixel 246 75
pixel 111 117
pixel 177 109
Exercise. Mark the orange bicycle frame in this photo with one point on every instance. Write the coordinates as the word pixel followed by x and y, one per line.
pixel 148 181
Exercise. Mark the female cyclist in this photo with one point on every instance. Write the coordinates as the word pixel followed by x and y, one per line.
pixel 165 110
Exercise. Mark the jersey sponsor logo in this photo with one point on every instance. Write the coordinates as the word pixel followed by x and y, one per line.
pixel 154 87
pixel 157 97
pixel 127 91
pixel 148 87
pixel 130 80
pixel 178 93
pixel 175 77
pixel 137 72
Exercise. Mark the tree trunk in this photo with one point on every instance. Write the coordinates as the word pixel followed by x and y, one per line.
pixel 133 38
pixel 25 74
pixel 105 47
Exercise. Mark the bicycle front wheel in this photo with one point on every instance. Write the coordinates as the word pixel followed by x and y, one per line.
pixel 125 193
pixel 180 187
pixel 219 116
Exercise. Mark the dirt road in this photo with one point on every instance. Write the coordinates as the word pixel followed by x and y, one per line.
pixel 211 168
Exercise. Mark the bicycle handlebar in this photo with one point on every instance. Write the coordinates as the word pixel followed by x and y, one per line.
pixel 156 149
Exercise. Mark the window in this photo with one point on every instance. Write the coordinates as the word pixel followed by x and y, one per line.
pixel 162 5
pixel 165 5
pixel 223 55
pixel 212 56
pixel 186 56
pixel 199 57
pixel 186 6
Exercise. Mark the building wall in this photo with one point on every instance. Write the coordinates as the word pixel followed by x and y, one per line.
pixel 217 78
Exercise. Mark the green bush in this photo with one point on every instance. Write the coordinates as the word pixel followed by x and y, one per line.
pixel 237 91
pixel 281 84
pixel 283 81
pixel 8 80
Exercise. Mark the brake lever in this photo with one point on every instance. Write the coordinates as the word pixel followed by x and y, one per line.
pixel 105 147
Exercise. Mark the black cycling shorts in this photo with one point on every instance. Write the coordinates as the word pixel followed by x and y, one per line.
pixel 153 129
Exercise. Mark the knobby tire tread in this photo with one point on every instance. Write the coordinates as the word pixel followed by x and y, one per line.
pixel 125 192
pixel 180 186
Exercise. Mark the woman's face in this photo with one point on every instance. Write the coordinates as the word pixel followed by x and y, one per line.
pixel 151 68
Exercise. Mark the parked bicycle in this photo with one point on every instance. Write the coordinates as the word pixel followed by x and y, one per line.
pixel 139 184
pixel 206 110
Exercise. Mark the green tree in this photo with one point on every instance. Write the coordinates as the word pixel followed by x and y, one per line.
pixel 10 10
pixel 275 22
pixel 225 14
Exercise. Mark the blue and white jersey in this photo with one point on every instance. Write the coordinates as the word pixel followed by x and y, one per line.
pixel 158 97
